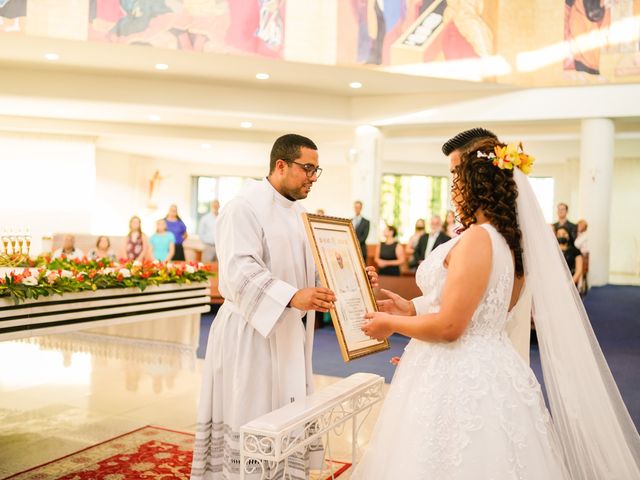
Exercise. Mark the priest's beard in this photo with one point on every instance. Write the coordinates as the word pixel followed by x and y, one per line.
pixel 296 193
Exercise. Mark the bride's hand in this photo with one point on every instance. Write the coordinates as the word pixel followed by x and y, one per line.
pixel 396 305
pixel 377 325
pixel 373 276
pixel 394 361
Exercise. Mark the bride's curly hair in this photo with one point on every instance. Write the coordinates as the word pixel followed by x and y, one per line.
pixel 481 185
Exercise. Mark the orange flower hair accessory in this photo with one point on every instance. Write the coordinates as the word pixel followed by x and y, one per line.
pixel 507 157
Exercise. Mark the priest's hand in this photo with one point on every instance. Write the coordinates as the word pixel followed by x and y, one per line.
pixel 395 304
pixel 373 276
pixel 318 299
pixel 377 325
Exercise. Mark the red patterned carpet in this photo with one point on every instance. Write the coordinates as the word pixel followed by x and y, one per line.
pixel 147 453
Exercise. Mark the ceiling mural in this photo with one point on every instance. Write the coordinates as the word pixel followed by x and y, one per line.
pixel 559 42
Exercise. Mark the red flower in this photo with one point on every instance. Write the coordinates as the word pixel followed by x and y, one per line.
pixel 120 277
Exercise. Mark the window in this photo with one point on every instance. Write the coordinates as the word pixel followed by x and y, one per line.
pixel 207 189
pixel 543 188
pixel 406 198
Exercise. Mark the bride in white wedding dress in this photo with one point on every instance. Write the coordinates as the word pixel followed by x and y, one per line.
pixel 463 405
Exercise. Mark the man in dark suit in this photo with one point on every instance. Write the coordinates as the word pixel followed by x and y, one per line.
pixel 563 221
pixel 429 241
pixel 361 225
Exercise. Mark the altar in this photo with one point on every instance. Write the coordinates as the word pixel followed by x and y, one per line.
pixel 78 311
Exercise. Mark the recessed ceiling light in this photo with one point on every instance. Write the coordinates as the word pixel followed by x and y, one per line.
pixel 355 85
pixel 162 66
pixel 52 57
pixel 262 76
pixel 154 118
pixel 246 124
pixel 206 146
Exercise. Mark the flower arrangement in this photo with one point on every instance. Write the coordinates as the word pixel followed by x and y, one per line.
pixel 44 276
pixel 509 156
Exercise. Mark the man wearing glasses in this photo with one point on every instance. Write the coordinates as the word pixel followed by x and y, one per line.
pixel 259 352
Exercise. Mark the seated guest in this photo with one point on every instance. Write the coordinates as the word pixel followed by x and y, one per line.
pixel 582 241
pixel 428 242
pixel 571 254
pixel 449 225
pixel 68 249
pixel 162 242
pixel 563 221
pixel 136 244
pixel 389 254
pixel 418 233
pixel 102 249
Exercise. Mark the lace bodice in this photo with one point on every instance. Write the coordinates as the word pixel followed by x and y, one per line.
pixel 492 314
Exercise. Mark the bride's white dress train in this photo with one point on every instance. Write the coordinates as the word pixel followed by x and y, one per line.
pixel 467 410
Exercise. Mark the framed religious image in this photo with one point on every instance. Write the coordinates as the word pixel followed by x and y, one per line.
pixel 339 261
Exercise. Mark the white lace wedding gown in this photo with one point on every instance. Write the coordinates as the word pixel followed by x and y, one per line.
pixel 467 410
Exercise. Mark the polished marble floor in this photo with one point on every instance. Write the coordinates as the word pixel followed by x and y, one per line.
pixel 62 393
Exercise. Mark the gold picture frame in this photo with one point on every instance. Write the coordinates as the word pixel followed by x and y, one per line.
pixel 340 265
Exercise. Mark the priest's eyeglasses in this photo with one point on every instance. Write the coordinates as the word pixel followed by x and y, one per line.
pixel 310 168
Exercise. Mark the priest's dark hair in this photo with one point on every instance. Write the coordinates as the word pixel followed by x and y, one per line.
pixel 287 148
pixel 463 139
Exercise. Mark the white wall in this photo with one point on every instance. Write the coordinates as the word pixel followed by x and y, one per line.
pixel 48 184
pixel 625 206
pixel 123 182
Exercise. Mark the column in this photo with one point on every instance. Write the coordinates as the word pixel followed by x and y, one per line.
pixel 596 182
pixel 365 159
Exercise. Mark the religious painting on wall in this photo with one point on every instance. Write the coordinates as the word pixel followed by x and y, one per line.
pixel 621 58
pixel 13 15
pixel 603 38
pixel 225 26
pixel 394 32
pixel 583 18
pixel 337 255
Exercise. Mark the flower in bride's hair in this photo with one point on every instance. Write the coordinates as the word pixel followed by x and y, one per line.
pixel 510 156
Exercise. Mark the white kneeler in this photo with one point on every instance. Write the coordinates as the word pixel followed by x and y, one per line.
pixel 274 437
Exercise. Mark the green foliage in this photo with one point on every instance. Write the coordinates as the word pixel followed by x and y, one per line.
pixel 46 277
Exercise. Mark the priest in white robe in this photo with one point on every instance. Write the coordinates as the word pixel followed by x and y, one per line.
pixel 259 352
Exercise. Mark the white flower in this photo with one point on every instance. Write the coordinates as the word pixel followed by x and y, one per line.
pixel 200 265
pixel 109 271
pixel 67 274
pixel 125 272
pixel 137 263
pixel 190 269
pixel 51 275
pixel 32 281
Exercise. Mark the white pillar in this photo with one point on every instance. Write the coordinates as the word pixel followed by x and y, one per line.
pixel 366 175
pixel 596 182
